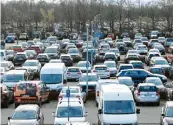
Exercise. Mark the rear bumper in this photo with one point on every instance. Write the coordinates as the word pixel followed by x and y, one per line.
pixel 147 100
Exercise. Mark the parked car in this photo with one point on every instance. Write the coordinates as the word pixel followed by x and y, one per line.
pixel 142 49
pixel 110 56
pixel 137 64
pixel 146 93
pixel 11 37
pixel 8 65
pixel 23 36
pixel 74 53
pixel 157 70
pixel 53 52
pixel 102 71
pixel 162 40
pixel 75 92
pixel 7 95
pixel 55 61
pixel 84 66
pixel 18 48
pixel 43 58
pixel 121 47
pixel 169 91
pixel 116 51
pixel 166 117
pixel 152 41
pixel 20 58
pixel 131 57
pixel 32 54
pixel 150 55
pixel 10 54
pixel 35 47
pixel 112 66
pixel 127 81
pixel 124 67
pixel 144 40
pixel 73 73
pixel 27 114
pixel 160 48
pixel 67 59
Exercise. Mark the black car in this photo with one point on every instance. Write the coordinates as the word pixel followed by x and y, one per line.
pixel 7 96
pixel 43 58
pixel 139 75
pixel 20 58
pixel 122 47
pixel 67 60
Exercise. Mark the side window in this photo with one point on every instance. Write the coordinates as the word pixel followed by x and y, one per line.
pixel 142 73
pixel 132 73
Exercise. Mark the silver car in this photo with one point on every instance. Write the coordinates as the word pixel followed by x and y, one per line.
pixel 167 114
pixel 73 73
pixel 127 81
pixel 75 92
pixel 146 93
pixel 159 84
pixel 28 114
pixel 112 67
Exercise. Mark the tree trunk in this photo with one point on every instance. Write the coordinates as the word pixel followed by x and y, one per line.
pixel 36 25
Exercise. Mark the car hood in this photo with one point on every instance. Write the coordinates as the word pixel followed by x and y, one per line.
pixel 169 120
pixel 71 119
pixel 89 83
pixel 23 122
pixel 118 119
pixel 112 69
pixel 163 66
pixel 10 84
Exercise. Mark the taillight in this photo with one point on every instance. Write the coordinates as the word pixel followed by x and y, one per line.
pixel 79 73
pixel 138 93
pixel 157 92
pixel 15 87
pixel 59 97
pixel 97 93
pixel 68 73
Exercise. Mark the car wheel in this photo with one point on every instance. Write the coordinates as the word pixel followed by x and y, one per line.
pixel 158 103
pixel 6 103
pixel 137 103
pixel 96 104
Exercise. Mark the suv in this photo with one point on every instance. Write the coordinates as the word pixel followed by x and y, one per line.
pixel 110 56
pixel 75 111
pixel 27 114
pixel 28 92
pixel 7 95
pixel 43 58
pixel 147 93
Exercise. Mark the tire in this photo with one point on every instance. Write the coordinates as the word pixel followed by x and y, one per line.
pixel 96 104
pixel 16 105
pixel 158 103
pixel 6 103
pixel 137 104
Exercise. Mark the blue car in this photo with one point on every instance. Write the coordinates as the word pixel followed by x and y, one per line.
pixel 10 39
pixel 139 75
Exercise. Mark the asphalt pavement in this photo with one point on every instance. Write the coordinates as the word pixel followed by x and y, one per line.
pixel 149 114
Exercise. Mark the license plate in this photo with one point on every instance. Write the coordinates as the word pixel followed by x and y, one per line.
pixel 41 59
pixel 20 59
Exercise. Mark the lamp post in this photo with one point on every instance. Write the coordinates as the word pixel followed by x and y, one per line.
pixel 87 64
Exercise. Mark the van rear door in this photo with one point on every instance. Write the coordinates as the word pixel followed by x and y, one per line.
pixel 26 90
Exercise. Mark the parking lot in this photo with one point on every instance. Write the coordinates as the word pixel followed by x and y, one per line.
pixel 149 113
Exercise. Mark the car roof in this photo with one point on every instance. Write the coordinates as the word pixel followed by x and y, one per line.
pixel 100 65
pixel 133 61
pixel 33 82
pixel 109 62
pixel 27 107
pixel 122 78
pixel 16 72
pixel 21 53
pixel 33 60
pixel 146 84
pixel 152 78
pixel 110 53
pixel 73 68
pixel 72 102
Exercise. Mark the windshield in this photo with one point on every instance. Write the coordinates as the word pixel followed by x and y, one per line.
pixel 73 51
pixel 155 81
pixel 51 78
pixel 127 82
pixel 114 50
pixel 147 89
pixel 93 78
pixel 169 112
pixel 142 48
pixel 83 64
pixel 161 38
pixel 13 78
pixel 119 107
pixel 161 62
pixel 75 111
pixel 109 65
pixel 30 64
pixel 51 50
pixel 24 115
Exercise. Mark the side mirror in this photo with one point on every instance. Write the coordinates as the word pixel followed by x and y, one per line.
pixel 65 81
pixel 9 118
pixel 138 111
pixel 100 111
pixel 163 115
pixel 53 114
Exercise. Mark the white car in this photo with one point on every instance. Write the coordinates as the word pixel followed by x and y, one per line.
pixel 33 66
pixel 83 66
pixel 112 66
pixel 103 48
pixel 74 110
pixel 92 82
pixel 153 50
pixel 8 65
pixel 142 49
pixel 102 71
pixel 133 51
pixel 55 61
pixel 99 85
pixel 73 73
pixel 75 91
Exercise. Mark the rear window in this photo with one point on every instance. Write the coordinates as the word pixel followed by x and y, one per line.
pixel 42 56
pixel 73 70
pixel 16 47
pixel 26 86
pixel 35 47
pixel 101 68
pixel 21 55
pixel 147 89
pixel 65 57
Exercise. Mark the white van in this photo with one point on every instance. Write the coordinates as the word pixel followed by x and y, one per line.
pixel 53 75
pixel 116 105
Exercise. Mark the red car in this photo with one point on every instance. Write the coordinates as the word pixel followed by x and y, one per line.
pixel 18 48
pixel 169 58
pixel 37 48
pixel 111 35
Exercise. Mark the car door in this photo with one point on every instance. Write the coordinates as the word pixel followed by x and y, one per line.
pixel 46 91
pixel 169 90
pixel 39 118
